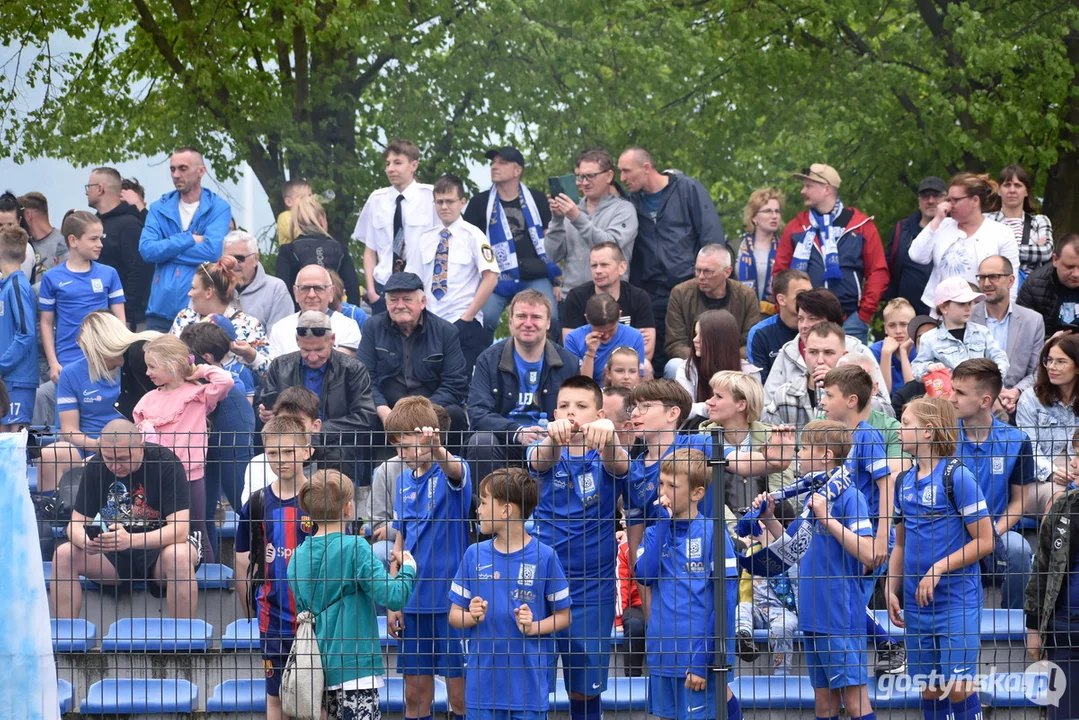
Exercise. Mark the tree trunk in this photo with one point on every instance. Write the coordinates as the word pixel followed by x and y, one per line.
pixel 1061 200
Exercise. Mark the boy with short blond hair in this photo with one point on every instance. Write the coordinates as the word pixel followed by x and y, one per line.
pixel 18 330
pixel 896 351
pixel 290 192
pixel 271 527
pixel 432 504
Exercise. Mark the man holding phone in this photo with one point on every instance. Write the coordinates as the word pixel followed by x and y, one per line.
pixel 130 524
pixel 601 215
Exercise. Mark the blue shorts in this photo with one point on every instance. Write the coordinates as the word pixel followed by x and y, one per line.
pixel 429 646
pixel 669 698
pixel 22 406
pixel 275 652
pixel 943 641
pixel 585 647
pixel 491 714
pixel 834 661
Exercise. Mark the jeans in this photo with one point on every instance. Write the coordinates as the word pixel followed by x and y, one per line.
pixel 854 327
pixel 1013 577
pixel 163 325
pixel 781 625
pixel 492 309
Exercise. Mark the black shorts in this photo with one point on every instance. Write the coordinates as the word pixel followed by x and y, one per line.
pixel 135 566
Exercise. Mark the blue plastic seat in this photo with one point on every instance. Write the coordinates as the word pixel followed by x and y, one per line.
pixel 88 584
pixel 625 693
pixel 213 576
pixel 239 696
pixel 998 624
pixel 897 695
pixel 140 696
pixel 383 634
pixel 760 635
pixel 775 693
pixel 242 634
pixel 66 694
pixel 158 635
pixel 73 635
pixel 559 699
pixel 229 525
pixel 391 697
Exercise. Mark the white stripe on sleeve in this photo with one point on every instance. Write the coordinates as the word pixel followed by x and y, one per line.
pixel 462 591
pixel 560 595
pixel 973 509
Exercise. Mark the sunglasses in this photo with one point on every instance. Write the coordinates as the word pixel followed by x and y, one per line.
pixel 312 332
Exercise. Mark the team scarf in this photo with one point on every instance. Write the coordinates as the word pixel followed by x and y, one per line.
pixel 501 238
pixel 823 227
pixel 789 548
pixel 749 273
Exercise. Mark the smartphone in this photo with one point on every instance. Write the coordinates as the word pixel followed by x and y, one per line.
pixel 564 185
pixel 92 530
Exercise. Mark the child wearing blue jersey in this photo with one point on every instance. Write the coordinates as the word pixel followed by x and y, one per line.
pixel 943 529
pixel 71 291
pixel 18 330
pixel 509 592
pixel 830 595
pixel 580 469
pixel 675 560
pixel 846 399
pixel 272 525
pixel 431 510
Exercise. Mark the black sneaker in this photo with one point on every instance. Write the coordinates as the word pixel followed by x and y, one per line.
pixel 746 649
pixel 891 659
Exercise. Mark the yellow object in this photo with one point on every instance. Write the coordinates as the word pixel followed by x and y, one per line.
pixel 284 228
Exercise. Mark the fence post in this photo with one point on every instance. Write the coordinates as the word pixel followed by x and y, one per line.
pixel 719 565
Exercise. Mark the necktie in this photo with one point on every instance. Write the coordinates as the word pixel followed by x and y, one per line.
pixel 398 237
pixel 442 261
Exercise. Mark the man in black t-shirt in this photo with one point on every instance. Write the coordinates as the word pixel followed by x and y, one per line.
pixel 130 523
pixel 608 263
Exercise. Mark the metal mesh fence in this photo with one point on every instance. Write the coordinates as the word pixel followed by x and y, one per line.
pixel 600 599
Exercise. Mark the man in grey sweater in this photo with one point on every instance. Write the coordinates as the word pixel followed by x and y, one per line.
pixel 603 215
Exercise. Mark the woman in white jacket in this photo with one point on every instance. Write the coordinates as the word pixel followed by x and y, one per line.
pixel 960 237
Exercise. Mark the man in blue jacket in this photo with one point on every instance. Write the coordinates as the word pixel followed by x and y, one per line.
pixel 184 229
pixel 515 386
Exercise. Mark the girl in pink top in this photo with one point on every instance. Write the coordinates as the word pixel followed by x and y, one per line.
pixel 174 415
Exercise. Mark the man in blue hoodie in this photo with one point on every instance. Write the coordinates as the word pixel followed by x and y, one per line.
pixel 184 229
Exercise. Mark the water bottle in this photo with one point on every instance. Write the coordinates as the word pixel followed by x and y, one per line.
pixel 543 421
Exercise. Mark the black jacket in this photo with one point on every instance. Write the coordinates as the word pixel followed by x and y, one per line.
pixel 493 393
pixel 120 250
pixel 433 352
pixel 1041 293
pixel 318 250
pixel 908 278
pixel 346 405
pixel 133 380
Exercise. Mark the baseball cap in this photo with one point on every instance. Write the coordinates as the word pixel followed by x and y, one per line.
pixel 920 320
pixel 933 184
pixel 403 282
pixel 225 324
pixel 955 289
pixel 508 153
pixel 819 172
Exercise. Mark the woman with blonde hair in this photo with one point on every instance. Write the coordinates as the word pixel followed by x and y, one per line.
pixel 763 218
pixel 959 237
pixel 314 246
pixel 103 385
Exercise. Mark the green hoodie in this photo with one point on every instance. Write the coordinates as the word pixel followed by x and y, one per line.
pixel 338 578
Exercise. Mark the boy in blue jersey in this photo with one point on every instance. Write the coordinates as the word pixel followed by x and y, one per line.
pixel 675 560
pixel 509 592
pixel 592 343
pixel 18 330
pixel 431 509
pixel 71 291
pixel 830 595
pixel 272 526
pixel 847 392
pixel 942 530
pixel 581 469
pixel 1002 459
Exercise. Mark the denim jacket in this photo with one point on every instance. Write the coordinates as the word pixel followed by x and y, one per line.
pixel 1050 429
pixel 940 346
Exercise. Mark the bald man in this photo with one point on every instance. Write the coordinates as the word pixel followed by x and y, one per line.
pixel 120 246
pixel 313 290
pixel 130 524
pixel 184 229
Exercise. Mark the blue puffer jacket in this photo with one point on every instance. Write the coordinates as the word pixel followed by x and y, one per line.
pixel 174 252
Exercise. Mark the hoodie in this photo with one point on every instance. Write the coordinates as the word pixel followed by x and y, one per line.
pixel 120 250
pixel 266 298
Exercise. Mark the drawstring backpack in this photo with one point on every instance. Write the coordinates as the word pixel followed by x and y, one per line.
pixel 303 681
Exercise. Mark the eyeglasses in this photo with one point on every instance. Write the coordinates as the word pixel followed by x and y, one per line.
pixel 87 186
pixel 769 211
pixel 242 258
pixel 954 200
pixel 991 277
pixel 1056 362
pixel 642 408
pixel 589 177
pixel 312 332
pixel 304 289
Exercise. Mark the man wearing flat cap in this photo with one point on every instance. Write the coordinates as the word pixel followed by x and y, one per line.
pixel 838 247
pixel 908 278
pixel 515 219
pixel 409 351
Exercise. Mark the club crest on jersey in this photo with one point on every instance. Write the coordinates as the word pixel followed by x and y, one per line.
pixel 307 524
pixel 587 483
pixel 533 377
pixel 929 496
pixel 95 283
pixel 998 466
pixel 693 548
pixel 526 575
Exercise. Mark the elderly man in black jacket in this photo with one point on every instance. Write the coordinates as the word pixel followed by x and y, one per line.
pixel 409 351
pixel 341 382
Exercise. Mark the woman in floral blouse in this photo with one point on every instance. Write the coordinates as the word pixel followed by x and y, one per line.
pixel 1033 233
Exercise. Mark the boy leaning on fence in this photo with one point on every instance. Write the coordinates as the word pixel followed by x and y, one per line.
pixel 830 592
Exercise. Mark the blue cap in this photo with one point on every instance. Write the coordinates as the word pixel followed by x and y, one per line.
pixel 225 324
